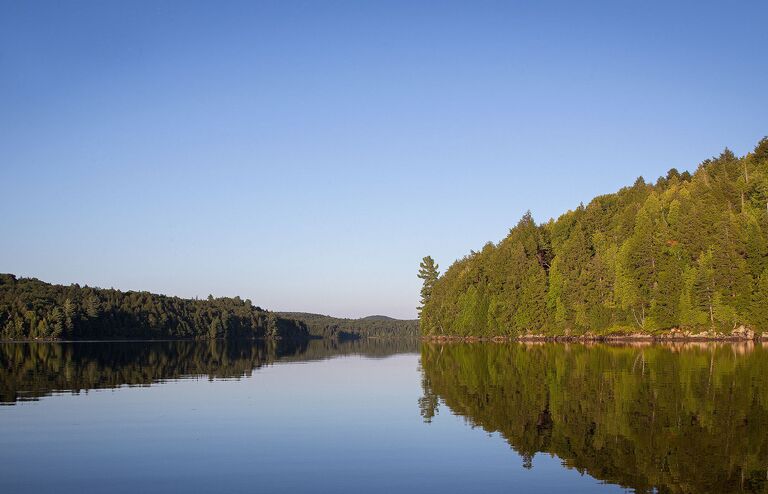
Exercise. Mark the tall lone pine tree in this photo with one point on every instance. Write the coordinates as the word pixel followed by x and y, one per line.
pixel 429 273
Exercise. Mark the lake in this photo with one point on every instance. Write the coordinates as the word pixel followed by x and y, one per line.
pixel 382 416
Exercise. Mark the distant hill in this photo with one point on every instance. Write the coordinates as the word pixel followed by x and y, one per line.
pixel 378 318
pixel 320 325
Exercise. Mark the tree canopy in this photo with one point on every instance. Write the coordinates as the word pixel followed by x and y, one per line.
pixel 32 309
pixel 321 326
pixel 689 251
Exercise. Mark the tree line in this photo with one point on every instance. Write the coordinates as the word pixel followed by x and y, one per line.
pixel 689 251
pixel 33 309
pixel 342 328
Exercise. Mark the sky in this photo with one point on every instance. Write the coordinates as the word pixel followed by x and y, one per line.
pixel 307 155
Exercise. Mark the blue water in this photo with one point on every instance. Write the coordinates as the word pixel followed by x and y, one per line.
pixel 344 423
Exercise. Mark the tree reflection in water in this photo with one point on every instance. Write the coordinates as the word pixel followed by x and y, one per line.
pixel 679 418
pixel 29 371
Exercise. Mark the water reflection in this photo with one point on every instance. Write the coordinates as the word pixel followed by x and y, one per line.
pixel 678 419
pixel 29 371
pixel 674 418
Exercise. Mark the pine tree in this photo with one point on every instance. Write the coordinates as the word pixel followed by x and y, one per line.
pixel 731 271
pixel 69 314
pixel 43 329
pixel 57 322
pixel 689 314
pixel 759 308
pixel 704 288
pixel 531 314
pixel 428 271
pixel 637 264
pixel 92 306
pixel 215 330
pixel 665 308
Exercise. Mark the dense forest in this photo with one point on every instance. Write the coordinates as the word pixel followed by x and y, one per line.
pixel 341 328
pixel 652 418
pixel 32 309
pixel 688 252
pixel 30 371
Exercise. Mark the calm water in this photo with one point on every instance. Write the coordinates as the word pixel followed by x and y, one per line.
pixel 382 416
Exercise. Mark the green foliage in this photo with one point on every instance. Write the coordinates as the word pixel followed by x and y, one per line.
pixel 32 309
pixel 686 252
pixel 428 272
pixel 320 326
pixel 759 306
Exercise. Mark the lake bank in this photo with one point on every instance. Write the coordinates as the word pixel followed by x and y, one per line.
pixel 738 335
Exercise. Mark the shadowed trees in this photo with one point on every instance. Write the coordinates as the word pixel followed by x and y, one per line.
pixel 32 309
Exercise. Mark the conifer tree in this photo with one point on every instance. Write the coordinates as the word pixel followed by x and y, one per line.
pixel 531 314
pixel 428 272
pixel 69 314
pixel 92 306
pixel 759 308
pixel 57 322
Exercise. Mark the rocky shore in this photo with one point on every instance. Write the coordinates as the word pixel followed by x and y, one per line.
pixel 741 333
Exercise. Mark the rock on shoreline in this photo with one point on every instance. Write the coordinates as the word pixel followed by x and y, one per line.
pixel 741 333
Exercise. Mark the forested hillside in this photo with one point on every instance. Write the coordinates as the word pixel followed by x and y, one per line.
pixel 342 328
pixel 689 251
pixel 31 309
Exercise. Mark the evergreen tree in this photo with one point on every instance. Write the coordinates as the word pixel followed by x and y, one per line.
pixel 428 272
pixel 531 314
pixel 637 268
pixel 69 313
pixel 704 288
pixel 57 322
pixel 759 308
pixel 92 306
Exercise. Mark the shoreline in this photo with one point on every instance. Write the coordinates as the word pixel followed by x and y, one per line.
pixel 631 338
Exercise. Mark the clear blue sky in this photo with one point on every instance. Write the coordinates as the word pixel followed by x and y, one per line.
pixel 308 154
